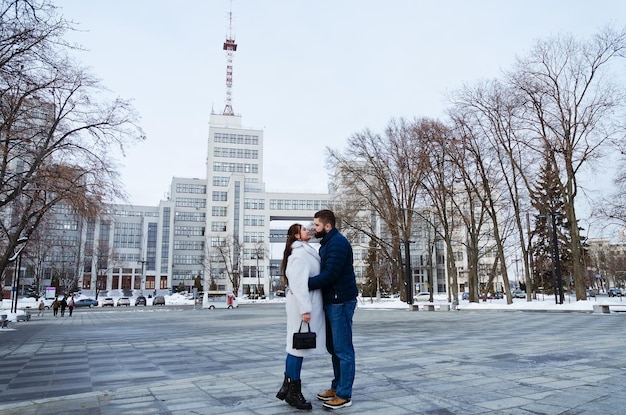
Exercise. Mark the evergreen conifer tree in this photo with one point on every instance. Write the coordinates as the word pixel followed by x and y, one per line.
pixel 547 200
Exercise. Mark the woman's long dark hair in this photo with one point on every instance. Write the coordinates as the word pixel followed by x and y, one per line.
pixel 291 238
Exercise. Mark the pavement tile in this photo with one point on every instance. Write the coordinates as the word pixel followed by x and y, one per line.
pixel 116 362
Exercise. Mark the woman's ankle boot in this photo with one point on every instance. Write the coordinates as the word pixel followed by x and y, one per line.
pixel 294 396
pixel 282 393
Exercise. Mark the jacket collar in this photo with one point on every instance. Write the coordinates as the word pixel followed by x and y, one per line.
pixel 329 235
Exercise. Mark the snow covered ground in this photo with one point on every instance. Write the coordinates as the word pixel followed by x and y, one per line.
pixel 542 303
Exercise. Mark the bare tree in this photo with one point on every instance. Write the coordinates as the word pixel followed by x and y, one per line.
pixel 438 193
pixel 382 175
pixel 39 252
pixel 104 259
pixel 494 108
pixel 259 253
pixel 613 207
pixel 469 208
pixel 58 126
pixel 230 253
pixel 570 102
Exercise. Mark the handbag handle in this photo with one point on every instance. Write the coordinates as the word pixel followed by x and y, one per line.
pixel 308 326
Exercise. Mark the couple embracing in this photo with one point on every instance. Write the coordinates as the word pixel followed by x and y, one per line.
pixel 322 293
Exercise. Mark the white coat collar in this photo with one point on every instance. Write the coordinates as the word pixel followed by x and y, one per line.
pixel 307 248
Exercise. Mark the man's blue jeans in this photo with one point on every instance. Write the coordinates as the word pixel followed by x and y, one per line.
pixel 339 345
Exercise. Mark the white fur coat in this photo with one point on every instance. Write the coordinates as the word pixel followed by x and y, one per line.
pixel 304 262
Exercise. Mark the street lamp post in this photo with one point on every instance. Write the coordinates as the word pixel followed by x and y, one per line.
pixel 557 261
pixel 17 259
pixel 142 286
pixel 407 272
pixel 517 260
pixel 258 279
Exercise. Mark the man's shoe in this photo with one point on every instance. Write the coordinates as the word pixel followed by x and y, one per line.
pixel 337 402
pixel 326 396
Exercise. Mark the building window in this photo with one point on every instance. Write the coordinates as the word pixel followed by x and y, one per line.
pixel 236 153
pixel 189 230
pixel 258 204
pixel 187 259
pixel 288 204
pixel 236 138
pixel 219 196
pixel 64 225
pixel 225 167
pixel 219 211
pixel 216 241
pixel 190 216
pixel 218 226
pixel 126 281
pixel 187 245
pixel 253 254
pixel 127 235
pixel 220 181
pixel 190 188
pixel 254 220
pixel 191 202
pixel 253 237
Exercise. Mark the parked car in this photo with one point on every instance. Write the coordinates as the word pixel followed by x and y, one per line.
pixel 158 300
pixel 141 300
pixel 496 296
pixel 108 302
pixel 519 294
pixel 86 302
pixel 590 293
pixel 280 293
pixel 465 296
pixel 614 292
pixel 423 296
pixel 123 301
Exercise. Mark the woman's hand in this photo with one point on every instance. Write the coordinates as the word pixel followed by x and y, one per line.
pixel 306 317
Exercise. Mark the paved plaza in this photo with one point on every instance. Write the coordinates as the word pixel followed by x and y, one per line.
pixel 181 360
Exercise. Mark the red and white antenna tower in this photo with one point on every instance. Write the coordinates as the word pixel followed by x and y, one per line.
pixel 230 47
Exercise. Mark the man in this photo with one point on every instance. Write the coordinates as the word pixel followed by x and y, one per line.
pixel 339 292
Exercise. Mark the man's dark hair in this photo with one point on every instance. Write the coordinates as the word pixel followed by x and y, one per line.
pixel 325 216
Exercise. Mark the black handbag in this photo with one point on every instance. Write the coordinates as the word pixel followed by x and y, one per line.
pixel 304 340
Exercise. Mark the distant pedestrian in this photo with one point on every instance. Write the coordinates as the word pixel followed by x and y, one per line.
pixel 63 306
pixel 41 307
pixel 55 307
pixel 71 304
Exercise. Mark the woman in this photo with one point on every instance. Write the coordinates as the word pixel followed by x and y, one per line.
pixel 300 261
pixel 71 304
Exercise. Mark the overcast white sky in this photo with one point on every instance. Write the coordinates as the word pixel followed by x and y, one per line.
pixel 309 73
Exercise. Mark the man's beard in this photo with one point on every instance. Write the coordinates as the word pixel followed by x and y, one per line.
pixel 320 234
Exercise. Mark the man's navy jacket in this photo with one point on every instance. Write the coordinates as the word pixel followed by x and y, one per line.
pixel 336 278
